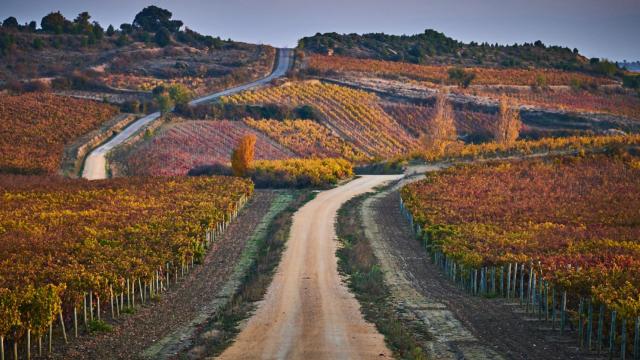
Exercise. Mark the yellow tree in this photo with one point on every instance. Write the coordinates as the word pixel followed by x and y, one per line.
pixel 242 156
pixel 441 131
pixel 507 128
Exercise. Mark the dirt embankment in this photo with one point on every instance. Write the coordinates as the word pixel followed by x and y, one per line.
pixel 75 153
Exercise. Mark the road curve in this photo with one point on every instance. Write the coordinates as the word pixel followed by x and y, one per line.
pixel 95 164
pixel 308 313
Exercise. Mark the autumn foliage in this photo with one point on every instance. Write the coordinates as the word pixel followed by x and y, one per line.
pixel 508 126
pixel 35 127
pixel 242 155
pixel 356 115
pixel 439 74
pixel 575 219
pixel 62 238
pixel 441 131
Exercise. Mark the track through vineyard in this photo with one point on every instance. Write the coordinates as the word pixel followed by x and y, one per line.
pixel 308 313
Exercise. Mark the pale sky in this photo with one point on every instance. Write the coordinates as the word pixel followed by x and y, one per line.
pixel 598 28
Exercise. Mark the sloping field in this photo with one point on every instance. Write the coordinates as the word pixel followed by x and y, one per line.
pixel 183 146
pixel 573 220
pixel 307 138
pixel 416 118
pixel 35 127
pixel 439 74
pixel 61 240
pixel 355 115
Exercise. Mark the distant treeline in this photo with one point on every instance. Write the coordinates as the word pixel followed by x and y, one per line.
pixel 432 47
pixel 151 25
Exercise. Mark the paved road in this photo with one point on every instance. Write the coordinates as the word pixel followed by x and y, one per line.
pixel 96 164
pixel 308 313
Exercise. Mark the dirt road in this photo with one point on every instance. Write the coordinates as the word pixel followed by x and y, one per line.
pixel 308 313
pixel 95 165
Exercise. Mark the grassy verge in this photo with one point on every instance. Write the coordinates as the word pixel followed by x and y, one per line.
pixel 221 330
pixel 357 262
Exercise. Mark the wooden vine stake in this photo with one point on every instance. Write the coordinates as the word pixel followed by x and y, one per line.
pixel 75 321
pixel 113 314
pixel 50 337
pixel 98 307
pixel 28 344
pixel 64 332
pixel 84 301
pixel 91 305
pixel 1 347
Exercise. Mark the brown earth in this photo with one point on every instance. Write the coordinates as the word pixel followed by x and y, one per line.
pixel 308 312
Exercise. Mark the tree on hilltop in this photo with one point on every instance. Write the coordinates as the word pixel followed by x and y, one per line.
pixel 153 19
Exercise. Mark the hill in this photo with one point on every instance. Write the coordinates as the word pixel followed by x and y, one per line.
pixel 435 48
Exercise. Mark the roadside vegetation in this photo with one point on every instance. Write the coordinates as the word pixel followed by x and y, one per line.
pixel 365 278
pixel 266 251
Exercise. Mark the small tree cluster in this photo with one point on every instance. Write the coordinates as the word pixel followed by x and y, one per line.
pixel 508 126
pixel 173 95
pixel 461 77
pixel 242 156
pixel 441 131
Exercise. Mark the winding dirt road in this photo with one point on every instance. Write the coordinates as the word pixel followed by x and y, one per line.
pixel 308 313
pixel 95 165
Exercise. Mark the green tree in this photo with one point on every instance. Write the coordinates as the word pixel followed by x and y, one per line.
pixel 81 23
pixel 461 77
pixel 10 23
pixel 179 93
pixel 37 43
pixel 98 31
pixel 165 103
pixel 110 30
pixel 153 19
pixel 163 37
pixel 54 23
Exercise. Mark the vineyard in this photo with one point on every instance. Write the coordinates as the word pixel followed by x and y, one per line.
pixel 565 228
pixel 354 115
pixel 602 101
pixel 578 144
pixel 439 74
pixel 180 147
pixel 307 138
pixel 35 127
pixel 73 249
pixel 416 118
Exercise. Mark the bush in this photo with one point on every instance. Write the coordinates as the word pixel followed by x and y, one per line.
pixel 300 173
pixel 37 43
pixel 461 77
pixel 163 37
pixel 631 81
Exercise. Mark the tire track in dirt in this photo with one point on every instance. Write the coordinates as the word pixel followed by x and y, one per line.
pixel 308 312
